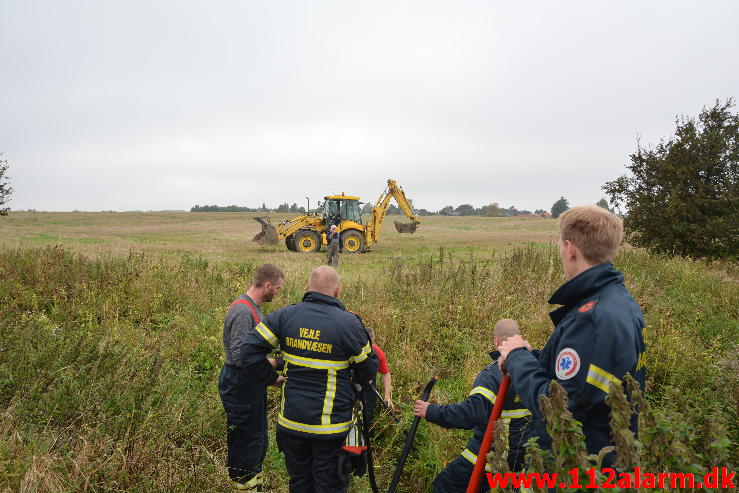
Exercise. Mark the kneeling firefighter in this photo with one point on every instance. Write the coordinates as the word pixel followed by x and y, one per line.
pixel 473 413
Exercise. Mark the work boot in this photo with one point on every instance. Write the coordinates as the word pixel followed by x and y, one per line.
pixel 254 485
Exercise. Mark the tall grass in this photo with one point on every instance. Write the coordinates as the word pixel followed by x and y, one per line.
pixel 108 366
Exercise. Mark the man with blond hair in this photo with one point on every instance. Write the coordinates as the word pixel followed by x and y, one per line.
pixel 326 348
pixel 244 399
pixel 598 334
pixel 473 413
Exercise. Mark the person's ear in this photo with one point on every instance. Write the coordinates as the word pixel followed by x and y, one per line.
pixel 571 249
pixel 338 291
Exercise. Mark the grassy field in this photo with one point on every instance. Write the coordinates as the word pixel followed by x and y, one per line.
pixel 226 236
pixel 110 339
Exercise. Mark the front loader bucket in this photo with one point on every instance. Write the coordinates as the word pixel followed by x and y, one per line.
pixel 268 234
pixel 405 227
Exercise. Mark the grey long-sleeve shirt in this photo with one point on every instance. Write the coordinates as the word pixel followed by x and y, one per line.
pixel 239 321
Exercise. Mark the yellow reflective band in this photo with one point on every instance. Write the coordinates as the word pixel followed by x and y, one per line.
pixel 489 394
pixel 255 481
pixel 282 392
pixel 320 364
pixel 313 429
pixel 267 334
pixel 328 399
pixel 640 361
pixel 473 458
pixel 515 413
pixel 600 378
pixel 252 485
pixel 242 487
pixel 363 354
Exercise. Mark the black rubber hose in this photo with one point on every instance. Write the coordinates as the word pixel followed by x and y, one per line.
pixel 409 439
pixel 366 433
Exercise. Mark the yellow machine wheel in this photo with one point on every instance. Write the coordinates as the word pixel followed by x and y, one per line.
pixel 307 241
pixel 353 241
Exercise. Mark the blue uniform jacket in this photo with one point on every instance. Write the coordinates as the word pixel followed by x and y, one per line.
pixel 324 347
pixel 598 338
pixel 474 413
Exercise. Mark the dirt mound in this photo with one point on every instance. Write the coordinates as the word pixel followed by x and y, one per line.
pixel 405 227
pixel 268 234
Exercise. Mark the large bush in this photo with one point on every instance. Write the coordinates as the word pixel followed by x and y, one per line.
pixel 682 194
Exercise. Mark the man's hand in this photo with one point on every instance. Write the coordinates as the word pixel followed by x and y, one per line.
pixel 419 409
pixel 280 380
pixel 509 345
pixel 389 402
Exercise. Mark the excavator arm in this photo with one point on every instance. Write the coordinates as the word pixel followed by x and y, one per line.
pixel 393 191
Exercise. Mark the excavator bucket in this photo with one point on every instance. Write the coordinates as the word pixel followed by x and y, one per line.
pixel 268 234
pixel 405 227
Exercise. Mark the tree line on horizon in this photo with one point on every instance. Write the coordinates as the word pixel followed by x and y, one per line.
pixel 491 210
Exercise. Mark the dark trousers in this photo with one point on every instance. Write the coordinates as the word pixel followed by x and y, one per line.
pixel 332 254
pixel 312 463
pixel 456 476
pixel 245 403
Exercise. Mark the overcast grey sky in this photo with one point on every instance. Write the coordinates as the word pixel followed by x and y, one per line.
pixel 167 104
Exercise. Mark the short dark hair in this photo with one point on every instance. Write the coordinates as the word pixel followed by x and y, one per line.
pixel 267 273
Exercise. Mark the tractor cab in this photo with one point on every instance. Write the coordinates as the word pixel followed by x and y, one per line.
pixel 340 208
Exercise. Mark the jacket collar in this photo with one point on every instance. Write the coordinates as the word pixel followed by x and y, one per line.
pixel 494 355
pixel 585 284
pixel 315 297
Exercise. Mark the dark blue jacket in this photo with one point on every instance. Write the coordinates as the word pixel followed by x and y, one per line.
pixel 598 338
pixel 324 347
pixel 474 413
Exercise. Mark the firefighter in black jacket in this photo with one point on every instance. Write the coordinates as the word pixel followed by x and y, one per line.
pixel 474 413
pixel 598 335
pixel 325 348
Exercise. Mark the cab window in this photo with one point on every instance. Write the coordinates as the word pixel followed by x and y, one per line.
pixel 331 208
pixel 350 211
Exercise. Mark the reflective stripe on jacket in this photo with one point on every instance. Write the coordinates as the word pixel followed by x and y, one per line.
pixel 322 345
pixel 474 413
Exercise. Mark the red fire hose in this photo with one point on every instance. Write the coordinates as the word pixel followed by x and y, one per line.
pixel 487 440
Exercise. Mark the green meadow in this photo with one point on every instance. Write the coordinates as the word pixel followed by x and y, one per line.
pixel 110 340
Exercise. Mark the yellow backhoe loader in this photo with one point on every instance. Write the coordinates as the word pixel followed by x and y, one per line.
pixel 307 233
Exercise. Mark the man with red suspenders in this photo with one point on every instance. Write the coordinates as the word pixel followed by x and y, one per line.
pixel 244 400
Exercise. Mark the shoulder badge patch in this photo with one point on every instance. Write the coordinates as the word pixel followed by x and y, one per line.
pixel 587 307
pixel 568 364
